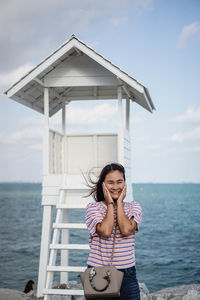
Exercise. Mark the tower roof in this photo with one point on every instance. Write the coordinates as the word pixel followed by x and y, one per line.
pixel 76 72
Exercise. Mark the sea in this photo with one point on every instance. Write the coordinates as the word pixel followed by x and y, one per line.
pixel 167 244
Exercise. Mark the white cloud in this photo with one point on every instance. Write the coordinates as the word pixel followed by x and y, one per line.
pixel 99 114
pixel 188 32
pixel 32 121
pixel 186 149
pixel 9 78
pixel 43 31
pixel 152 147
pixel 38 146
pixel 190 115
pixel 121 21
pixel 192 135
pixel 138 117
pixel 26 136
pixel 32 134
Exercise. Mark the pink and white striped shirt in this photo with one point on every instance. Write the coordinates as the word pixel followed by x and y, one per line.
pixel 100 247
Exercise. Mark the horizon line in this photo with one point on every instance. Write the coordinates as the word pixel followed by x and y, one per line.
pixel 139 182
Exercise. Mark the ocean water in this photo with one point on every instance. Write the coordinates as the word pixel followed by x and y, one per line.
pixel 167 244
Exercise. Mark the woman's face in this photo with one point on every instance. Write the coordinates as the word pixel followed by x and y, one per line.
pixel 114 181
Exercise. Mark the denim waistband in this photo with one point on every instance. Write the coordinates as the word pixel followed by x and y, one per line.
pixel 127 269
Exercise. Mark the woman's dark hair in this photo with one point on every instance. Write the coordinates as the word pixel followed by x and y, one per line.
pixel 96 186
pixel 29 286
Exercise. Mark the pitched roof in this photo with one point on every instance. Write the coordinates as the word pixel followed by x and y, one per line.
pixel 77 59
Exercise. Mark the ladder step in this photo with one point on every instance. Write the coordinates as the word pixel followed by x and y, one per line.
pixel 71 206
pixel 69 225
pixel 63 292
pixel 70 246
pixel 75 188
pixel 65 269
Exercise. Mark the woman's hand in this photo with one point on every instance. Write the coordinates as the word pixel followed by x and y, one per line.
pixel 122 195
pixel 107 195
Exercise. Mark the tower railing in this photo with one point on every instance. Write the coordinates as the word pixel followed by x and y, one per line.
pixel 77 153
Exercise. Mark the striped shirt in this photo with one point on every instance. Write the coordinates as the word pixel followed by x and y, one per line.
pixel 100 247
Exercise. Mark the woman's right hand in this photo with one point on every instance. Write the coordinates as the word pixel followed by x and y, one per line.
pixel 107 195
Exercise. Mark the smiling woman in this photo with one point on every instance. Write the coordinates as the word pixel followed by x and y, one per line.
pixel 111 220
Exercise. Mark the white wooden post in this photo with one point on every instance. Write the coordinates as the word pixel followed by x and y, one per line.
pixel 64 253
pixel 128 114
pixel 46 133
pixel 65 214
pixel 63 118
pixel 120 128
pixel 47 210
pixel 127 145
pixel 64 137
pixel 44 250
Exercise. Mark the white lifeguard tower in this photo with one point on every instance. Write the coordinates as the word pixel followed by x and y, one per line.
pixel 74 72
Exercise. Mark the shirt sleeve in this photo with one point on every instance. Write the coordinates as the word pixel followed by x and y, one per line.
pixel 135 211
pixel 93 217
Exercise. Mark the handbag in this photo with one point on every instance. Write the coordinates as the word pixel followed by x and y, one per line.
pixel 101 282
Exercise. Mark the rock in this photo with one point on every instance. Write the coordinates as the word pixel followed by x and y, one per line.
pixel 178 293
pixel 144 292
pixel 74 285
pixel 8 294
pixel 192 294
pixel 183 292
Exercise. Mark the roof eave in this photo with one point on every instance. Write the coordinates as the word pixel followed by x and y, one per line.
pixel 74 42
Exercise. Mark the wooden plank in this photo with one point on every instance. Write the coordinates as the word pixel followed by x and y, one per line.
pixel 77 188
pixel 70 246
pixel 63 292
pixel 65 269
pixel 69 225
pixel 71 206
pixel 76 81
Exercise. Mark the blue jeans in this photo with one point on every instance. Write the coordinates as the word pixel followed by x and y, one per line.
pixel 130 289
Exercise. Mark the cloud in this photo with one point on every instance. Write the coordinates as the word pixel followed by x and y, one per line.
pixel 192 149
pixel 31 30
pixel 152 147
pixel 189 136
pixel 137 117
pixel 191 115
pixel 32 134
pixel 188 32
pixel 76 116
pixel 119 21
pixel 38 146
pixel 26 136
pixel 11 77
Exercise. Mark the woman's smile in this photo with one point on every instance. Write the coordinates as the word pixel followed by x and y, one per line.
pixel 114 182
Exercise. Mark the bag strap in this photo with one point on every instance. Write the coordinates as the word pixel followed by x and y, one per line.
pixel 113 247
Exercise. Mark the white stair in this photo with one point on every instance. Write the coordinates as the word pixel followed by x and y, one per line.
pixel 58 226
pixel 70 246
pixel 70 206
pixel 63 292
pixel 69 226
pixel 65 269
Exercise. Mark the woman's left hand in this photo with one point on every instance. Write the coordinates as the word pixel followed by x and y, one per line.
pixel 122 195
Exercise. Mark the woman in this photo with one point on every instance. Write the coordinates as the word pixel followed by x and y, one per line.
pixel 109 211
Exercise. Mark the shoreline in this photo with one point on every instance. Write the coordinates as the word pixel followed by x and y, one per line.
pixel 181 292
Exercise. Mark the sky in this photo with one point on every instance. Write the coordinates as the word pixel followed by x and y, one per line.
pixel 156 42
